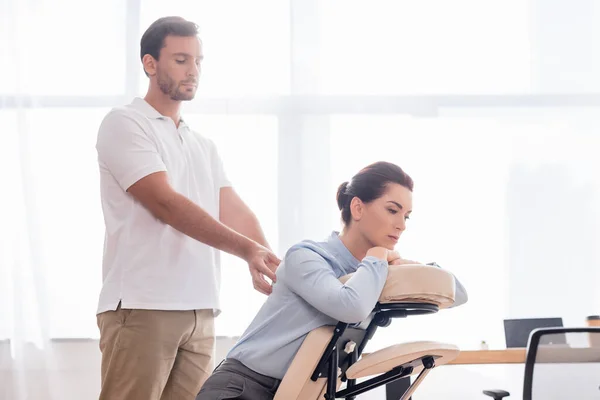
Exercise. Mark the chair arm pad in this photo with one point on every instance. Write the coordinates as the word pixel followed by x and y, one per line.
pixel 496 394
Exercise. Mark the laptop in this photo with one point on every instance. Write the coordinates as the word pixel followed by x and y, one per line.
pixel 517 331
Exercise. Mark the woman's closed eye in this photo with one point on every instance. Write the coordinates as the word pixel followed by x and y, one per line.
pixel 392 211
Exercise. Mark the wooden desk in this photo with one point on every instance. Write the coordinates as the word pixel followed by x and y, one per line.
pixel 549 354
pixel 396 389
pixel 506 356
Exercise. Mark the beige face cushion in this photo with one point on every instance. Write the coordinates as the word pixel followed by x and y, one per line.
pixel 384 360
pixel 417 283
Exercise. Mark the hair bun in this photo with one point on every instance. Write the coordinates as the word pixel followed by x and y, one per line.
pixel 342 195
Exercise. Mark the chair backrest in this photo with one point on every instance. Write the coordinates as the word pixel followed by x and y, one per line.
pixel 297 383
pixel 563 371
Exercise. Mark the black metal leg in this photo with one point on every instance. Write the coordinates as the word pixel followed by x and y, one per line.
pixel 394 390
pixel 332 376
pixel 352 382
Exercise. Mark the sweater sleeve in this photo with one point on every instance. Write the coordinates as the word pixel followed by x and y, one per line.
pixel 309 275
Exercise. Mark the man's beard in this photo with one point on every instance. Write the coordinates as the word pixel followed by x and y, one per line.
pixel 169 87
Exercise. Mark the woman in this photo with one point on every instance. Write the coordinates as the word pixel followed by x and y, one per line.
pixel 374 207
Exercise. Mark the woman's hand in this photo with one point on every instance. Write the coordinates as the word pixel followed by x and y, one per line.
pixel 384 254
pixel 401 261
pixel 378 252
pixel 393 256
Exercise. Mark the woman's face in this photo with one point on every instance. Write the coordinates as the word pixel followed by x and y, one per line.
pixel 382 221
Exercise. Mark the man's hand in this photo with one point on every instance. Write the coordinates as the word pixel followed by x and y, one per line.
pixel 261 262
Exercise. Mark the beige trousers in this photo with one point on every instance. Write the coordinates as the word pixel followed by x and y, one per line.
pixel 154 354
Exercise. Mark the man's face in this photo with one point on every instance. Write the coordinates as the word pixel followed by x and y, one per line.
pixel 178 67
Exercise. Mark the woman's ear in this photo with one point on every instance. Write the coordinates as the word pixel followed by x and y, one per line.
pixel 356 209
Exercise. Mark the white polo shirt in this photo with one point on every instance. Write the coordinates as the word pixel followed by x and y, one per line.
pixel 148 264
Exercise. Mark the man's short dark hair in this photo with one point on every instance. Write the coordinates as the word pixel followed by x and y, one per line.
pixel 154 38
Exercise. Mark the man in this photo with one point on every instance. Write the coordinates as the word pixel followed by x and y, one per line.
pixel 168 208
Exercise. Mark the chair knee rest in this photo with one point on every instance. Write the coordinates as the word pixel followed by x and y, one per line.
pixel 404 354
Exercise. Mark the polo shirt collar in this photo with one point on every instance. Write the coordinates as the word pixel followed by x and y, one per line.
pixel 145 108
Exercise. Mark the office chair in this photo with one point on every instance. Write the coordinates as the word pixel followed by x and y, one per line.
pixel 560 371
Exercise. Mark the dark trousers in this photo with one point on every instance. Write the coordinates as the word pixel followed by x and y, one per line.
pixel 233 380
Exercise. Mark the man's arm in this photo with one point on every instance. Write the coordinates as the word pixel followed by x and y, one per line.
pixel 234 213
pixel 156 194
pixel 132 158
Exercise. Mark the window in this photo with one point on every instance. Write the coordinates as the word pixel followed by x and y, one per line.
pixel 424 47
pixel 246 44
pixel 503 198
pixel 456 188
pixel 64 174
pixel 506 182
pixel 10 207
pixel 46 52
